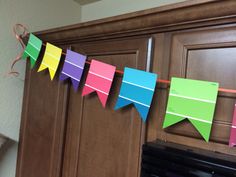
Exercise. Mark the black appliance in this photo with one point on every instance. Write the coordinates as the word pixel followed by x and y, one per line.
pixel 160 160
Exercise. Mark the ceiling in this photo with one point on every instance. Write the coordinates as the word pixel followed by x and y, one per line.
pixel 84 2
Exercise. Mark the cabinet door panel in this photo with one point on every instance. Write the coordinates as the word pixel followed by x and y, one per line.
pixel 206 54
pixel 100 141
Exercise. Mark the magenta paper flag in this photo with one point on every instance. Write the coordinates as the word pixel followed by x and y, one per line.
pixel 73 68
pixel 99 79
pixel 232 140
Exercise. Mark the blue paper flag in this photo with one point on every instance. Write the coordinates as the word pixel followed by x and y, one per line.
pixel 137 88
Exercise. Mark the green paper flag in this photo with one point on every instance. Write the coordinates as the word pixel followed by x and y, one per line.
pixel 193 100
pixel 32 49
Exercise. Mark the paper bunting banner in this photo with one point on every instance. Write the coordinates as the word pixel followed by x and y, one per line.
pixel 51 59
pixel 138 88
pixel 194 100
pixel 99 79
pixel 73 68
pixel 32 49
pixel 232 140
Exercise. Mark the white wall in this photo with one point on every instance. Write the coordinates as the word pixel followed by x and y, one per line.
pixel 8 155
pixel 37 15
pixel 108 8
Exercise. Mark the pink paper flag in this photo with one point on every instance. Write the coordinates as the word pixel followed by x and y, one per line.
pixel 99 79
pixel 232 140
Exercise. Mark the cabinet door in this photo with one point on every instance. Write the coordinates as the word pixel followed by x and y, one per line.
pixel 206 54
pixel 100 141
pixel 42 125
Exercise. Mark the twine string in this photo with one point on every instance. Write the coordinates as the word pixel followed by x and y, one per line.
pixel 19 36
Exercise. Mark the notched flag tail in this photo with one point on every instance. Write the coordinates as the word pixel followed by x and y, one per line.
pixel 51 59
pixel 193 100
pixel 232 140
pixel 32 49
pixel 99 79
pixel 73 68
pixel 137 88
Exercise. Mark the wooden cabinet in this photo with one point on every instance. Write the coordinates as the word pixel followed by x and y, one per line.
pixel 201 54
pixel 66 135
pixel 100 140
pixel 64 129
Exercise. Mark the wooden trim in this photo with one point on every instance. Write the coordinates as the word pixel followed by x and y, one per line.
pixel 133 14
pixel 2 140
pixel 20 154
pixel 188 14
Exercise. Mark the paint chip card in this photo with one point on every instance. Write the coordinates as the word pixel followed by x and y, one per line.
pixel 193 100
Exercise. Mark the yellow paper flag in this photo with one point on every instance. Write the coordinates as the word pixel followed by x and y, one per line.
pixel 51 59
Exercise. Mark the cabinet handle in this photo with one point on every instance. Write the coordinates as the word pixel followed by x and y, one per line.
pixel 149 54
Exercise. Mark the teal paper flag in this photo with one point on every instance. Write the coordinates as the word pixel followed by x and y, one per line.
pixel 137 88
pixel 193 100
pixel 32 49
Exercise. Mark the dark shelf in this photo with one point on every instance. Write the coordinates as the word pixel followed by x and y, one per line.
pixel 169 160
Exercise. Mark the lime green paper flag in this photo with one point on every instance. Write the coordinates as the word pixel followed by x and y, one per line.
pixel 193 100
pixel 32 49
